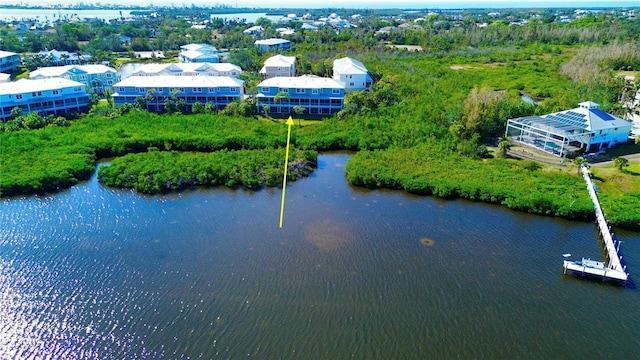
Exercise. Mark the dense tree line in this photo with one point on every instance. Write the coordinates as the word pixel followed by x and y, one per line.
pixel 518 185
pixel 436 33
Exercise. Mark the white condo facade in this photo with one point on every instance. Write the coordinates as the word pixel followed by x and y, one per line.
pixel 97 78
pixel 188 69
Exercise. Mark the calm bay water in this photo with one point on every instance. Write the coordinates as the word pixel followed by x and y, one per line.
pixel 97 273
pixel 55 14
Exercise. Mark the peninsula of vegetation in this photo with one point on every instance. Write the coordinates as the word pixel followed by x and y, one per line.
pixel 433 122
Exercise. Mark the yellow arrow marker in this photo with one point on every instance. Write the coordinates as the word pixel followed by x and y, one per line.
pixel 286 165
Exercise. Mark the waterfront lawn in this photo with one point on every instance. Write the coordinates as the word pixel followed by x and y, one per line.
pixel 619 193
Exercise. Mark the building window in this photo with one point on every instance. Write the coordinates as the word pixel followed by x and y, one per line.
pixel 55 92
pixel 233 89
pixel 351 84
pixel 212 90
pixel 141 90
pixel 265 89
pixel 109 82
pixel 335 91
pixel 181 90
pixel 19 96
pixel 108 75
pixel 314 91
pixel 121 89
pixel 83 77
pixel 299 91
pixel 197 89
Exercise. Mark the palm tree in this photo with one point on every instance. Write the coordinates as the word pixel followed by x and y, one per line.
pixel 282 95
pixel 298 110
pixel 579 161
pixel 620 162
pixel 503 147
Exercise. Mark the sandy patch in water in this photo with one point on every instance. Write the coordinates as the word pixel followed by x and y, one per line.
pixel 328 234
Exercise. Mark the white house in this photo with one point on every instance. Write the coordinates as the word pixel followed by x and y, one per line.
pixel 608 130
pixel 254 30
pixel 188 69
pixel 272 44
pixel 218 90
pixel 307 26
pixel 97 78
pixel 285 31
pixel 9 61
pixel 585 127
pixel 200 53
pixel 352 73
pixel 279 65
pixel 64 57
pixel 45 96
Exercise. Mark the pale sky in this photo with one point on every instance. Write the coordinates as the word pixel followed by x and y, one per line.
pixel 353 3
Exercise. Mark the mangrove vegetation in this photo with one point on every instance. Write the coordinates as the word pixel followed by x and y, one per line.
pixel 432 124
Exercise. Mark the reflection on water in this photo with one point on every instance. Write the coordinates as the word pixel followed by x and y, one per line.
pixel 97 273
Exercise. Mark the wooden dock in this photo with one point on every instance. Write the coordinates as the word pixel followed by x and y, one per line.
pixel 614 270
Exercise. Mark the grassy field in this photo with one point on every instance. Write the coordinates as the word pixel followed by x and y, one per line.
pixel 613 182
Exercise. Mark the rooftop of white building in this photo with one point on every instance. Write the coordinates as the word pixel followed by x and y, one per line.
pixel 272 41
pixel 347 65
pixel 23 86
pixel 198 47
pixel 588 116
pixel 280 60
pixel 302 82
pixel 168 81
pixel 186 67
pixel 51 71
pixel 6 53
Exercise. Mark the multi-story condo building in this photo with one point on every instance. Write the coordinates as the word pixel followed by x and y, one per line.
pixel 9 61
pixel 189 69
pixel 316 95
pixel 352 73
pixel 97 78
pixel 219 90
pixel 54 96
pixel 279 65
pixel 199 53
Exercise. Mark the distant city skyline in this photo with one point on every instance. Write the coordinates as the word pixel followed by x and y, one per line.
pixel 371 4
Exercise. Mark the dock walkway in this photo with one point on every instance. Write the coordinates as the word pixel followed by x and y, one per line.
pixel 614 270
